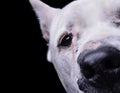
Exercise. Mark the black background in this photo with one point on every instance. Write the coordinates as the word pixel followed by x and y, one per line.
pixel 27 68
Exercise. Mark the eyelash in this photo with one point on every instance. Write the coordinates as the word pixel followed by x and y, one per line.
pixel 117 22
pixel 65 41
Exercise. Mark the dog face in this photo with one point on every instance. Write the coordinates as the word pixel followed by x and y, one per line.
pixel 84 43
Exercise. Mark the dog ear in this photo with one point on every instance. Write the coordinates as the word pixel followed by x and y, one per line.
pixel 45 16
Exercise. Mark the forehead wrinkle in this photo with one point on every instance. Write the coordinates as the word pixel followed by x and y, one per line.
pixel 69 26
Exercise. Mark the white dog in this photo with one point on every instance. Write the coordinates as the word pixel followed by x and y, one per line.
pixel 84 43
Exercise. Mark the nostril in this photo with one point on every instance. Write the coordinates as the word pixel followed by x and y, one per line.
pixel 111 62
pixel 88 71
pixel 99 61
pixel 90 63
pixel 108 64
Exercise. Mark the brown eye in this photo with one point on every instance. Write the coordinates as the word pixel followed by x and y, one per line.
pixel 65 40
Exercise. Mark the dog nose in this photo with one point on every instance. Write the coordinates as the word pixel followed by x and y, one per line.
pixel 99 61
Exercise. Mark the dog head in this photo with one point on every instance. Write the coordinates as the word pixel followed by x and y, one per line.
pixel 84 43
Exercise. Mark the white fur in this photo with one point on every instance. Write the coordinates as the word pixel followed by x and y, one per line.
pixel 91 20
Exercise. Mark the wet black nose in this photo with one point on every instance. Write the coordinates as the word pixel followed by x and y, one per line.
pixel 98 61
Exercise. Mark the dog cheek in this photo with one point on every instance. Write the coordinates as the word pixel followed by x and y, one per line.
pixel 49 56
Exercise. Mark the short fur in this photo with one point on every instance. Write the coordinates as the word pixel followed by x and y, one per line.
pixel 92 23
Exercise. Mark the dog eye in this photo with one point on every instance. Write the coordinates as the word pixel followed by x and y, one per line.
pixel 65 40
pixel 117 22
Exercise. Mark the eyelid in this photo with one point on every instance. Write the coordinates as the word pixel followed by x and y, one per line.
pixel 61 37
pixel 117 22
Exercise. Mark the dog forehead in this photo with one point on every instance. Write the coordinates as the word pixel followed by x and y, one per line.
pixel 84 9
pixel 67 17
pixel 83 6
pixel 79 11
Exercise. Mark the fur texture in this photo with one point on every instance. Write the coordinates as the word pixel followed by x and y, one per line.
pixel 93 23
